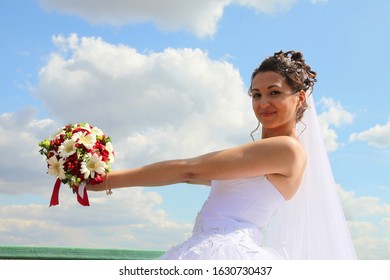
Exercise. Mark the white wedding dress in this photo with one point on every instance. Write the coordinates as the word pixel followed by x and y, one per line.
pixel 230 222
pixel 310 226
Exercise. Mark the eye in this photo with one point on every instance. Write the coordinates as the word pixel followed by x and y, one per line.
pixel 255 95
pixel 274 92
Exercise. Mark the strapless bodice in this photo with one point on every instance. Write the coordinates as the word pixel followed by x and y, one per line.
pixel 248 200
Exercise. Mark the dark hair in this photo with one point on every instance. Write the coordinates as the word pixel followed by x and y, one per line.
pixel 292 66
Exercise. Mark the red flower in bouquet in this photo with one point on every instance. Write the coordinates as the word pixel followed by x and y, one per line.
pixel 77 154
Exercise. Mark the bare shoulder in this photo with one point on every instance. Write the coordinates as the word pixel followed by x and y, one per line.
pixel 288 182
pixel 287 141
pixel 287 146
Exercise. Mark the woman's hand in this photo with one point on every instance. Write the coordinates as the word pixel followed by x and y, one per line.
pixel 99 186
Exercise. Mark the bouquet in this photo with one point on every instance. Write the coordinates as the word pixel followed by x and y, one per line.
pixel 77 154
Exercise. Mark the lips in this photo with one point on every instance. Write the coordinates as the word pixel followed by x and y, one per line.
pixel 267 113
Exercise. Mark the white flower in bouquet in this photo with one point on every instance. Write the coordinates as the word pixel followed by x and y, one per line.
pixel 88 140
pixel 56 167
pixel 67 148
pixel 94 130
pixel 110 150
pixel 93 164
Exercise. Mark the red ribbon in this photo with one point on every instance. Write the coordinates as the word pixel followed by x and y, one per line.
pixel 56 191
pixel 82 200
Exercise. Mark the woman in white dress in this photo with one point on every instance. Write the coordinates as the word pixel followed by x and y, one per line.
pixel 272 179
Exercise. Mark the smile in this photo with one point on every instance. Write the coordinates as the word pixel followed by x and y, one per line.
pixel 267 113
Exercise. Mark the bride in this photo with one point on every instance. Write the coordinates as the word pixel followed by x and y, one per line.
pixel 273 198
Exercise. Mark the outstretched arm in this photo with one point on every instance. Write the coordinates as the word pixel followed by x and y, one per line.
pixel 277 155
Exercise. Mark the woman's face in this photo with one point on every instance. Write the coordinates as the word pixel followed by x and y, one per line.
pixel 274 103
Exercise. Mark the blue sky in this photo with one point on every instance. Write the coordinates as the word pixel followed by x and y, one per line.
pixel 168 81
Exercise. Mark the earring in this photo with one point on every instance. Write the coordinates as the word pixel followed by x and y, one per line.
pixel 253 131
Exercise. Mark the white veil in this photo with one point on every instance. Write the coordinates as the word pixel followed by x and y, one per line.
pixel 312 224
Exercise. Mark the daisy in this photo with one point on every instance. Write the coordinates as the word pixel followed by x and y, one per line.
pixel 85 138
pixel 93 164
pixel 56 167
pixel 67 148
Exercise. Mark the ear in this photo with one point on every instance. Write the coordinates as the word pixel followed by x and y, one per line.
pixel 302 97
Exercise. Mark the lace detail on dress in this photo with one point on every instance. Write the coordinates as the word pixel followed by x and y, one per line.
pixel 215 243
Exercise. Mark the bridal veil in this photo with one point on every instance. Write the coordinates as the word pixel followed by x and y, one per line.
pixel 312 224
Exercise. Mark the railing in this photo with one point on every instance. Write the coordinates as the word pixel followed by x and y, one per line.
pixel 64 253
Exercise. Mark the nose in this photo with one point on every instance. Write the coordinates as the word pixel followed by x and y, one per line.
pixel 264 102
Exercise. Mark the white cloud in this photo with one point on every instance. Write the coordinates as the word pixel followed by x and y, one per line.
pixel 268 6
pixel 333 115
pixel 363 206
pixel 129 219
pixel 386 225
pixel 21 165
pixel 174 103
pixel 368 224
pixel 371 248
pixel 361 228
pixel 155 106
pixel 199 17
pixel 377 136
